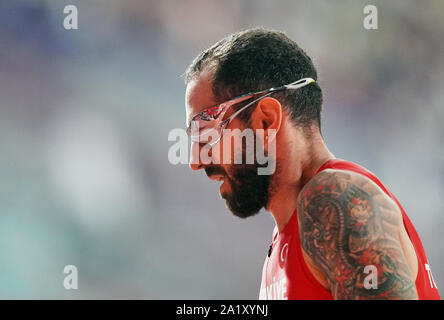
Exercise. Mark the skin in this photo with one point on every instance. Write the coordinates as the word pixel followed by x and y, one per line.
pixel 334 262
pixel 348 223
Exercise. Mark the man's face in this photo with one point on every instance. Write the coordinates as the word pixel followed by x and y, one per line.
pixel 244 191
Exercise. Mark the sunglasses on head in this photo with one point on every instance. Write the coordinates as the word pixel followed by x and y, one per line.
pixel 207 126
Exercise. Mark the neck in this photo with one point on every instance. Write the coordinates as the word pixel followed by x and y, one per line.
pixel 297 168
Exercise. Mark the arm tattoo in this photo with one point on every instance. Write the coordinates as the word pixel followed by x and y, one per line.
pixel 348 223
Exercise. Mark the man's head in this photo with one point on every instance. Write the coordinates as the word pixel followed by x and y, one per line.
pixel 251 61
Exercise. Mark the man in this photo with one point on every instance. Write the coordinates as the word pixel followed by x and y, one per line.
pixel 340 234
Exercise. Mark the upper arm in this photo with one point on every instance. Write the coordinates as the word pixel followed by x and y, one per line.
pixel 348 223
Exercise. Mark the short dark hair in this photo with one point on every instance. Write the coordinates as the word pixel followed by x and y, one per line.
pixel 257 59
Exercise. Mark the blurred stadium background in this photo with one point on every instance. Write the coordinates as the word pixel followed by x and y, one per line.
pixel 85 115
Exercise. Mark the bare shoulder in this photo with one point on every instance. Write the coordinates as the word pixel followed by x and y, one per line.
pixel 349 226
pixel 346 186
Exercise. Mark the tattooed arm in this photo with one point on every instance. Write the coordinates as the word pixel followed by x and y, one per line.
pixel 346 222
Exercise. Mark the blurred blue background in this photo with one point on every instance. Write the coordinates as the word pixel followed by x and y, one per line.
pixel 85 115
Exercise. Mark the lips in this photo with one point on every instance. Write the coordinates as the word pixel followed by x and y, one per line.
pixel 217 177
pixel 221 189
pixel 221 179
pixel 215 173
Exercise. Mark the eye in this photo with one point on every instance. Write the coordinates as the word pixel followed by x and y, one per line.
pixel 211 113
pixel 204 116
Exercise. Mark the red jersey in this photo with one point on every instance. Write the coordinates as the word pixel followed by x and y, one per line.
pixel 285 274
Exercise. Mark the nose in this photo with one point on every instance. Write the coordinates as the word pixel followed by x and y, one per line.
pixel 198 160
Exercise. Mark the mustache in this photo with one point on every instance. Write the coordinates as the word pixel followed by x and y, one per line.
pixel 214 170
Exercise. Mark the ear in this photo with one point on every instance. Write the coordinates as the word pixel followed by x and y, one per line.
pixel 267 116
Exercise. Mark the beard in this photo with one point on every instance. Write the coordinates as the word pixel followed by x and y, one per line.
pixel 250 192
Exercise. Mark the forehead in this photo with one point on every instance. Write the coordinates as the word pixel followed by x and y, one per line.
pixel 199 94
